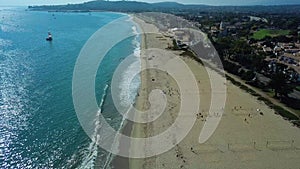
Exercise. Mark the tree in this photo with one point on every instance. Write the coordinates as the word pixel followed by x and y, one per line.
pixel 280 86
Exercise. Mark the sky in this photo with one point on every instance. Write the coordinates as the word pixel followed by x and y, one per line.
pixel 206 2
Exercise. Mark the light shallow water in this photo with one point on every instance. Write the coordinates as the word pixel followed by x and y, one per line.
pixel 38 124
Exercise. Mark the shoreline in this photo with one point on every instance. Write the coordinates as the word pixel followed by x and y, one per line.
pixel 249 129
pixel 241 119
pixel 148 40
pixel 119 162
pixel 131 129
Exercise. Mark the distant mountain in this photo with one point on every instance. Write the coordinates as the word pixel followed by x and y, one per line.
pixel 98 5
pixel 169 5
pixel 173 7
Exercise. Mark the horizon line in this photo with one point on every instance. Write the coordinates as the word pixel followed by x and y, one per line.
pixel 186 4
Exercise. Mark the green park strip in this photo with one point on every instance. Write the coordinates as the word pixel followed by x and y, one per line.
pixel 261 34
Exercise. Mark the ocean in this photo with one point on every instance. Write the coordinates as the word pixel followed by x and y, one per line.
pixel 38 124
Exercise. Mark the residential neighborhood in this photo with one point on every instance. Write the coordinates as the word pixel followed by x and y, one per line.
pixel 261 49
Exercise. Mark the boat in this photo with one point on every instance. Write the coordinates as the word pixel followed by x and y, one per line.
pixel 49 38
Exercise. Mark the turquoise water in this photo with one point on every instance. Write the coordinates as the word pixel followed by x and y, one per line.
pixel 38 124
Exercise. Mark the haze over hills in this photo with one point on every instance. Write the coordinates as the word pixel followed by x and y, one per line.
pixel 134 6
pixel 204 2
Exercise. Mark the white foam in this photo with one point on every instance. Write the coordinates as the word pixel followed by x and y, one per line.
pixel 137 44
pixel 127 96
pixel 92 150
pixel 130 18
pixel 5 42
pixel 128 88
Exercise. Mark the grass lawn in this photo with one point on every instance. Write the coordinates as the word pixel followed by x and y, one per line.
pixel 261 34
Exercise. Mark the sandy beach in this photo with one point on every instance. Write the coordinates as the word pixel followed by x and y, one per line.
pixel 250 134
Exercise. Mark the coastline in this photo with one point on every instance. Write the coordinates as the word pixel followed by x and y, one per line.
pixel 239 141
pixel 119 162
pixel 130 128
pixel 246 136
pixel 241 118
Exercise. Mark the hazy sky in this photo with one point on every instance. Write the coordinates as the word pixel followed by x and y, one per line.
pixel 207 2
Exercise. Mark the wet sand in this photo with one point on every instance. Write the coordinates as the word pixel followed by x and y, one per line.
pixel 122 162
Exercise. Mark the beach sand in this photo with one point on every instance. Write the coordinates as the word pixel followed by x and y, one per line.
pixel 250 135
